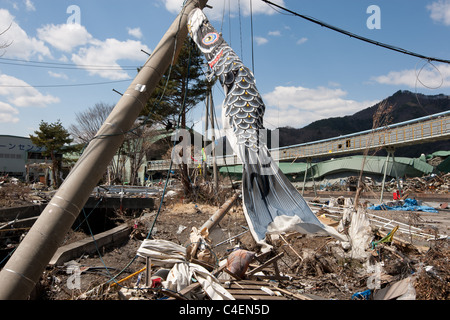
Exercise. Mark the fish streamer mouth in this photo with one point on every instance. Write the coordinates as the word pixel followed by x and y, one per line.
pixel 215 59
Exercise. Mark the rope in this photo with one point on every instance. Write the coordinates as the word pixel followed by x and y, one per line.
pixel 240 28
pixel 251 25
pixel 175 140
pixel 213 116
pixel 162 197
pixel 147 118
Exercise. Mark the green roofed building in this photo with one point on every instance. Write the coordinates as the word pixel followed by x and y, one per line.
pixel 373 166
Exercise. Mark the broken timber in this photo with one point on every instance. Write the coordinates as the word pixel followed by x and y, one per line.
pixel 217 217
pixel 25 267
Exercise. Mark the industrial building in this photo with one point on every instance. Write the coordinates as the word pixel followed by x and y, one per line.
pixel 21 159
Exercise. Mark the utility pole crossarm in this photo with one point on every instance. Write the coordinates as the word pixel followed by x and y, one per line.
pixel 25 267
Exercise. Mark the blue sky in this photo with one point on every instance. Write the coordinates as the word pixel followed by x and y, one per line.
pixel 66 56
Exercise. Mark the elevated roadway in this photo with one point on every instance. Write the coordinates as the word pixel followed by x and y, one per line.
pixel 417 131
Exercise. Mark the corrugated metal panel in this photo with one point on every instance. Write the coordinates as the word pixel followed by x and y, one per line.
pixel 444 166
pixel 403 166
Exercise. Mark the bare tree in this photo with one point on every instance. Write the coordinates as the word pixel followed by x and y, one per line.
pixel 381 118
pixel 5 44
pixel 136 146
pixel 89 122
pixel 133 150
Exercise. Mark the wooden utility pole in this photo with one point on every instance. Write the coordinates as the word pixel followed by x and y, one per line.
pixel 205 139
pixel 213 141
pixel 21 273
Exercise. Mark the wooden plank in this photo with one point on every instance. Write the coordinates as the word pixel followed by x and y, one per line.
pixel 247 291
pixel 259 297
pixel 251 290
pixel 247 286
pixel 268 262
pixel 274 277
pixel 298 296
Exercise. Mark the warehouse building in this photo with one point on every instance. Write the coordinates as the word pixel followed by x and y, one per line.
pixel 21 159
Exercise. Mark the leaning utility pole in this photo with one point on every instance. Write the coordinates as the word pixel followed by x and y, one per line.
pixel 20 275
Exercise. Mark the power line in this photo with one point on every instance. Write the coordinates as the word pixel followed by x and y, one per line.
pixel 63 85
pixel 251 24
pixel 74 67
pixel 352 35
pixel 56 65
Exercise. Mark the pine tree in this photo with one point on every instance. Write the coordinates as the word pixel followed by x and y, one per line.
pixel 181 88
pixel 55 140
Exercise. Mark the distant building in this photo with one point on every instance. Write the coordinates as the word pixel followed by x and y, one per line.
pixel 21 159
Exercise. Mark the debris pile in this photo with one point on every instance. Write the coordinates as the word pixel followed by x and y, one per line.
pixel 13 192
pixel 199 252
pixel 433 183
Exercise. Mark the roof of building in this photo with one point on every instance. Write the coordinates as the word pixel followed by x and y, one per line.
pixel 376 165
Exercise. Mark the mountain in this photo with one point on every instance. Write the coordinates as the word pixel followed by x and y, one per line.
pixel 401 106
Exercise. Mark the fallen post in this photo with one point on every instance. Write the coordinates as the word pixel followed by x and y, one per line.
pixel 217 217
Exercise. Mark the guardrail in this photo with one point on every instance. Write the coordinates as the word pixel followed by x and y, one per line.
pixel 421 130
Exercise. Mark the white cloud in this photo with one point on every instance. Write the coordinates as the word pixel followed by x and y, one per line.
pixel 22 46
pixel 274 33
pixel 94 52
pixel 135 32
pixel 30 5
pixel 21 94
pixel 261 40
pixel 58 75
pixel 65 37
pixel 440 11
pixel 107 53
pixel 302 40
pixel 216 13
pixel 299 106
pixel 7 113
pixel 428 76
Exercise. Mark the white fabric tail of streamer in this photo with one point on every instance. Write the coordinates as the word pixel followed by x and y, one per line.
pixel 165 253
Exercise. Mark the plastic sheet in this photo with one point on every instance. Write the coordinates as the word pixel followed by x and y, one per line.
pixel 408 205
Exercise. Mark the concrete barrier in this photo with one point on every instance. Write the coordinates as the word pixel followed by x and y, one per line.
pixel 75 250
pixel 21 212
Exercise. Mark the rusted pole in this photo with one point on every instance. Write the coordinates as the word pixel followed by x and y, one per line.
pixel 19 276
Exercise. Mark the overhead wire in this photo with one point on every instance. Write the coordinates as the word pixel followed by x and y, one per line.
pixel 63 85
pixel 68 66
pixel 182 109
pixel 352 35
pixel 428 59
pixel 170 167
pixel 214 118
pixel 146 119
pixel 240 27
pixel 251 33
pixel 60 65
pixel 229 19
